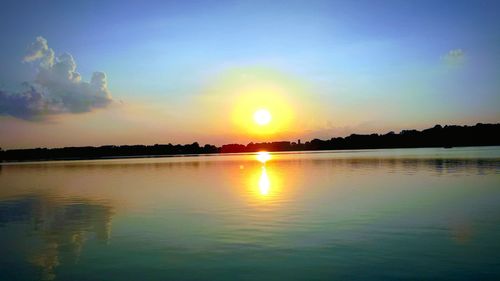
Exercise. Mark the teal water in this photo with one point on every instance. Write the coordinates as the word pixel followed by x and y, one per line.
pixel 413 214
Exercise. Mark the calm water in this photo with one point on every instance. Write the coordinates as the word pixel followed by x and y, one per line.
pixel 382 214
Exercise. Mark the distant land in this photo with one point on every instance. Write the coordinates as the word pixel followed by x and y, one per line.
pixel 437 136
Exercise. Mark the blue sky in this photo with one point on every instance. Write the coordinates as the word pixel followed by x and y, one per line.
pixel 420 62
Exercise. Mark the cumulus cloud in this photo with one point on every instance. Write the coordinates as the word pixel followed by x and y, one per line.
pixel 58 87
pixel 454 57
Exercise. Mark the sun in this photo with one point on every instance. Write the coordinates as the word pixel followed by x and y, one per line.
pixel 262 117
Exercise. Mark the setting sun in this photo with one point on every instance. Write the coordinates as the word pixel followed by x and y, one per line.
pixel 262 117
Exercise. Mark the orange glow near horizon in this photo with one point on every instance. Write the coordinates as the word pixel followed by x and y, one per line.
pixel 264 104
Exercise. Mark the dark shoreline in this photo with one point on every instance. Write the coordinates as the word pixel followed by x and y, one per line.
pixel 438 136
pixel 223 154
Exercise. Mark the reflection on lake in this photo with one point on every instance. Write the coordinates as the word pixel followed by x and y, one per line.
pixel 381 214
pixel 264 183
pixel 53 227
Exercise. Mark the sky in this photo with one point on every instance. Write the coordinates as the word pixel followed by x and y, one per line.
pixel 145 72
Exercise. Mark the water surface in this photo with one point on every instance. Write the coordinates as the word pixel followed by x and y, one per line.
pixel 349 215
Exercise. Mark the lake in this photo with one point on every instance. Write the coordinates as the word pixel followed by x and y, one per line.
pixel 391 214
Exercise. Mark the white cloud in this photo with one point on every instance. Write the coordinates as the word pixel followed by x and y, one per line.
pixel 58 87
pixel 454 57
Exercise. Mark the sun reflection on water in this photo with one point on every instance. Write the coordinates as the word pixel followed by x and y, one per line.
pixel 263 156
pixel 264 177
pixel 264 183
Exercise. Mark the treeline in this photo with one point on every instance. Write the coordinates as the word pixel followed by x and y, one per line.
pixel 106 151
pixel 438 136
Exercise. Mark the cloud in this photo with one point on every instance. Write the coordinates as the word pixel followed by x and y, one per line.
pixel 58 87
pixel 454 57
pixel 39 50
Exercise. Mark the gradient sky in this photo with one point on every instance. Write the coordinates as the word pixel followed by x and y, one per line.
pixel 185 71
